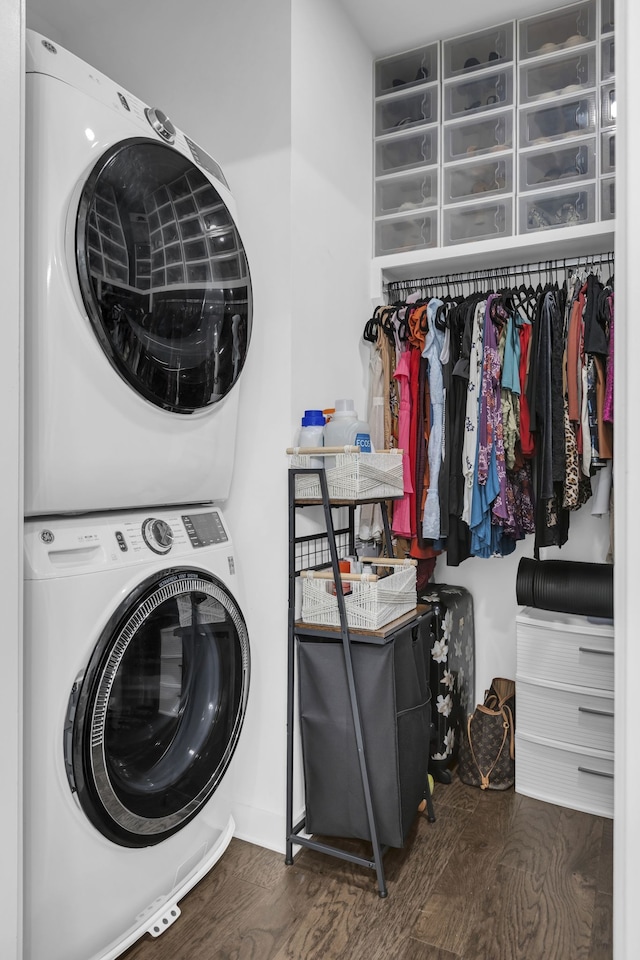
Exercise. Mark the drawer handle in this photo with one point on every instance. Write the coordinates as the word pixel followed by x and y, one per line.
pixel 605 653
pixel 597 713
pixel 596 773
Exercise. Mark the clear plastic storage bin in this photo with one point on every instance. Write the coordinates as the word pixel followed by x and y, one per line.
pixel 608 59
pixel 475 138
pixel 485 91
pixel 407 69
pixel 557 76
pixel 566 164
pixel 557 30
pixel 466 181
pixel 608 152
pixel 560 208
pixel 608 18
pixel 608 107
pixel 478 221
pixel 550 123
pixel 394 113
pixel 407 192
pixel 399 234
pixel 608 198
pixel 394 154
pixel 474 51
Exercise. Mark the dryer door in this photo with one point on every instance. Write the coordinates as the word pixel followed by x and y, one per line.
pixel 163 275
pixel 155 721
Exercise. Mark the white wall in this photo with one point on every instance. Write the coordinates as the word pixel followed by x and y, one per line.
pixel 627 465
pixel 11 84
pixel 331 98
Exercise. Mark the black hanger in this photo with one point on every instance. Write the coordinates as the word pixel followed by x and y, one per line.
pixel 370 333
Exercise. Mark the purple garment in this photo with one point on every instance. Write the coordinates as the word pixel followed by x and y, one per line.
pixel 607 414
pixel 490 415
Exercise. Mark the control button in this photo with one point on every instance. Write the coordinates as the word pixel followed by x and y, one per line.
pixel 122 543
pixel 123 101
pixel 161 124
pixel 158 535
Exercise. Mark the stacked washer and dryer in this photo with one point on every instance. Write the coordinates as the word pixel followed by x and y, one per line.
pixel 137 323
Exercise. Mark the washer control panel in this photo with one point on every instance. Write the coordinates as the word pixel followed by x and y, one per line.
pixel 158 535
pixel 204 529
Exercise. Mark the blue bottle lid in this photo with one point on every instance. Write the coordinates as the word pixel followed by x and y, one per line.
pixel 313 418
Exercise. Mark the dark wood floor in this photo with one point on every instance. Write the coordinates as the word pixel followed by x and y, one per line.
pixel 497 877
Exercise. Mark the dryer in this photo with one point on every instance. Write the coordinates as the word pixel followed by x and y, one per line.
pixel 137 668
pixel 138 305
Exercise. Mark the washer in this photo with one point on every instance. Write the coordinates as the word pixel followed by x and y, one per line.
pixel 138 304
pixel 137 670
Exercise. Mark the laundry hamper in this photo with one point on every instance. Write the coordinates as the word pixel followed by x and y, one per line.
pixel 395 712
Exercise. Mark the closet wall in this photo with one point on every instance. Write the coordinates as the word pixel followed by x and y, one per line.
pixel 11 483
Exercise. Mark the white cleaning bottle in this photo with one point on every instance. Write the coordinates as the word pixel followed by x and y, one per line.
pixel 312 434
pixel 345 428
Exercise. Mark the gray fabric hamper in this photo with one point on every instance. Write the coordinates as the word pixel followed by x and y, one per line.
pixel 394 702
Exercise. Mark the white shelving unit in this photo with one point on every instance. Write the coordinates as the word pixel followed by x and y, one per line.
pixel 565 242
pixel 508 131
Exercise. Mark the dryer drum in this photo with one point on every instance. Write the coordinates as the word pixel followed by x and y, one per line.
pixel 163 275
pixel 160 708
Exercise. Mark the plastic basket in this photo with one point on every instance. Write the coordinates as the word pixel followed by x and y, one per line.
pixel 354 477
pixel 369 606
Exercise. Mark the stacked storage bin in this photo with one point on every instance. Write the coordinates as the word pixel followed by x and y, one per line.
pixel 406 151
pixel 478 121
pixel 508 130
pixel 557 97
pixel 607 114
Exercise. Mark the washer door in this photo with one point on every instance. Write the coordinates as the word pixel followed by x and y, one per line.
pixel 163 275
pixel 155 721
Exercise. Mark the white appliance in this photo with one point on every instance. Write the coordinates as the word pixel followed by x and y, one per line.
pixel 138 304
pixel 136 669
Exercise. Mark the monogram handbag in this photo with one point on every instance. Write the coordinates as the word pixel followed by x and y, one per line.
pixel 487 750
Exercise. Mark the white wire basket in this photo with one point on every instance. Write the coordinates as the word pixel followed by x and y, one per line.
pixel 371 603
pixel 355 476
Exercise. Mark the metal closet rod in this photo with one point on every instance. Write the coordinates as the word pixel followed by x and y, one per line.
pixel 549 267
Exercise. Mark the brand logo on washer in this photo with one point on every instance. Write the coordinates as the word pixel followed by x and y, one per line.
pixel 47 536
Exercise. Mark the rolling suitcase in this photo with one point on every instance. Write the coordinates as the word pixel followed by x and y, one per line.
pixel 451 671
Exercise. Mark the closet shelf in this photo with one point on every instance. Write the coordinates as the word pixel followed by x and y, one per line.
pixel 574 241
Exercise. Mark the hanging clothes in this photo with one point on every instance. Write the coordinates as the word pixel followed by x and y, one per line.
pixel 432 349
pixel 504 404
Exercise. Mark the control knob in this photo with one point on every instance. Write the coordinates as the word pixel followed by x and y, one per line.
pixel 158 535
pixel 161 124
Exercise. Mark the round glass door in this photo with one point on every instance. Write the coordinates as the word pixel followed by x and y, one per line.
pixel 155 721
pixel 163 276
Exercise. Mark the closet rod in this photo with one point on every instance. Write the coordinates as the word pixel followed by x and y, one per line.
pixel 590 262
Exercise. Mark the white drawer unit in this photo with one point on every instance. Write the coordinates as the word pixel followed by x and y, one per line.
pixel 565 775
pixel 581 716
pixel 561 646
pixel 565 710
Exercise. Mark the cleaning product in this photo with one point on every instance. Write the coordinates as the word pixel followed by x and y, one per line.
pixel 345 428
pixel 312 434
